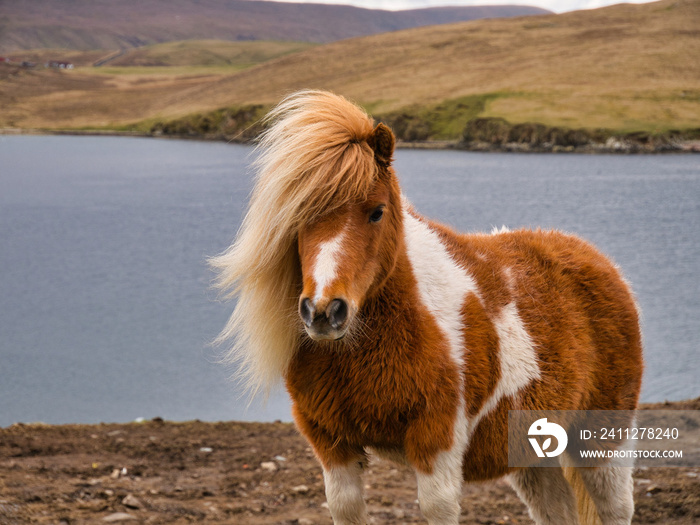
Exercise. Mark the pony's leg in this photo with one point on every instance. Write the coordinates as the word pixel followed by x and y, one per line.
pixel 547 494
pixel 342 469
pixel 439 492
pixel 612 491
pixel 440 481
pixel 344 493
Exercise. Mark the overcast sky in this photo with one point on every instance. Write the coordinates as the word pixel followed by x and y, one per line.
pixel 558 6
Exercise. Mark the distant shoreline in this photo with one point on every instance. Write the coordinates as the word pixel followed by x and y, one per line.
pixel 614 147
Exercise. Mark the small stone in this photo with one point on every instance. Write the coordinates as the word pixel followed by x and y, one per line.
pixel 280 458
pixel 206 450
pixel 117 517
pixel 300 489
pixel 115 474
pixel 270 466
pixel 132 502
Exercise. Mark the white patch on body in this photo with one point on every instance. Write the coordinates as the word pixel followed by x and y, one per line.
pixel 517 354
pixel 443 287
pixel 517 359
pixel 344 494
pixel 326 264
pixel 510 280
pixel 442 284
pixel 503 229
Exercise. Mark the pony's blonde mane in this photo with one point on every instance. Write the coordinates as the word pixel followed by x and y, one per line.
pixel 313 158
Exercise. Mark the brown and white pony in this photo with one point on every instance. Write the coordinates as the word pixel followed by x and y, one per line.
pixel 397 335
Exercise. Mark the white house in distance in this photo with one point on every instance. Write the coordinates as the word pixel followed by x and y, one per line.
pixel 58 64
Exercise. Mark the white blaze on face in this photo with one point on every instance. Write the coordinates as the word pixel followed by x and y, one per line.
pixel 326 264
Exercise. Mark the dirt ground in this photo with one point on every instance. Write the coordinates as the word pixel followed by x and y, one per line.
pixel 244 473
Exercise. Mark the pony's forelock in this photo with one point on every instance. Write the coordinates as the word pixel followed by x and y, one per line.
pixel 312 159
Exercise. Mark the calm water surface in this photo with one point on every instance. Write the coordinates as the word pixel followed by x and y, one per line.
pixel 105 308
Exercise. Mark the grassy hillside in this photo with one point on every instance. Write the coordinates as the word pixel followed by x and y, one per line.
pixel 121 24
pixel 207 53
pixel 625 68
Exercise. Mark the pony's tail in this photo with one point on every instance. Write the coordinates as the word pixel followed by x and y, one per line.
pixel 587 512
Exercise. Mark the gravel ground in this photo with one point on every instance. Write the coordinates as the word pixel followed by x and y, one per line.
pixel 247 473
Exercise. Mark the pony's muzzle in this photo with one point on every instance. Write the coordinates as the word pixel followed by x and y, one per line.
pixel 323 324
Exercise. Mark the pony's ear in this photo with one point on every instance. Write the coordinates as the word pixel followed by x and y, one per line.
pixel 382 142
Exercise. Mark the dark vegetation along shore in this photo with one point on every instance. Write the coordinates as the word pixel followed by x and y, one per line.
pixel 246 473
pixel 425 130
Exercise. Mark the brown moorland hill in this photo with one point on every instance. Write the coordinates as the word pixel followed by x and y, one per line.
pixel 625 67
pixel 115 24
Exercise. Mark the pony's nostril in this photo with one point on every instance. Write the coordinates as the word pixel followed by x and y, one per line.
pixel 337 313
pixel 306 311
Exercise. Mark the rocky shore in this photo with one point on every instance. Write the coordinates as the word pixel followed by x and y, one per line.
pixel 244 473
pixel 422 130
pixel 243 124
pixel 610 146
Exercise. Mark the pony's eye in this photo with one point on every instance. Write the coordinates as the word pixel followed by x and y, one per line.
pixel 377 214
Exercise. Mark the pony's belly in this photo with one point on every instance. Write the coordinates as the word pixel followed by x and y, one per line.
pixel 483 459
pixel 394 455
pixel 486 456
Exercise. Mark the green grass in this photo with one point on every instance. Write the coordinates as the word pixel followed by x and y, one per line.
pixel 236 123
pixel 442 121
pixel 448 118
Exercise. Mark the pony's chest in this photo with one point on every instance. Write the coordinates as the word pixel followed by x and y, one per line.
pixel 362 401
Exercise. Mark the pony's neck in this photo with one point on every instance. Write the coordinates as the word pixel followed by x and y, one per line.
pixel 395 305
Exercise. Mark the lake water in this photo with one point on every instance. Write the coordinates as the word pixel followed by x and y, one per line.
pixel 105 308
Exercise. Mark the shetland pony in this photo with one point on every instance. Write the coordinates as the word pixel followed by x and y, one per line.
pixel 394 334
